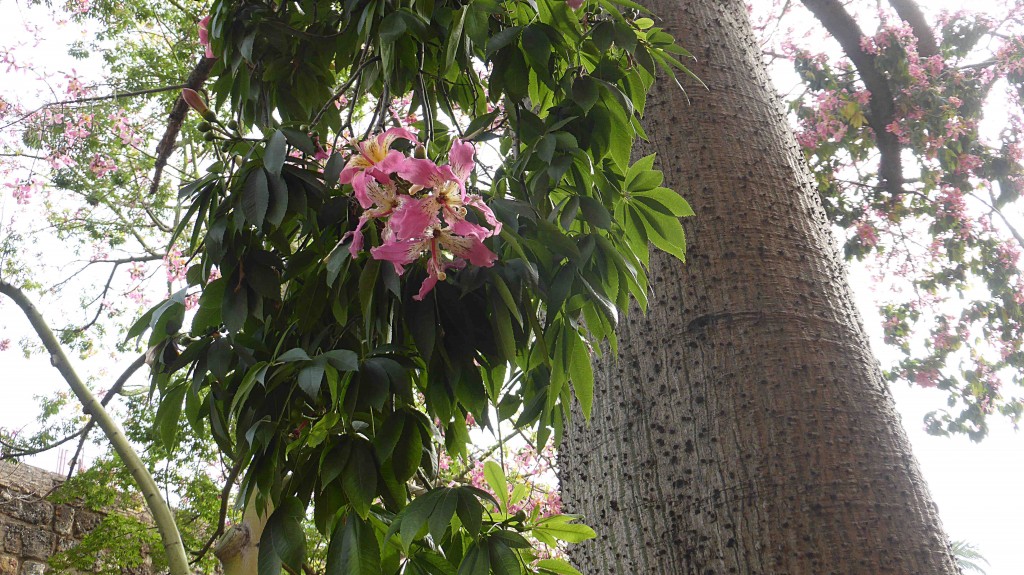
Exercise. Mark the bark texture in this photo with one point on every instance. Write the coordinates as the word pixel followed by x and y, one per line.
pixel 744 427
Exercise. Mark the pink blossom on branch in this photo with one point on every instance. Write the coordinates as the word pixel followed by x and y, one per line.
pixel 375 160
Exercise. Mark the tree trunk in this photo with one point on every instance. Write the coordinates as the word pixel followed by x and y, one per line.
pixel 744 427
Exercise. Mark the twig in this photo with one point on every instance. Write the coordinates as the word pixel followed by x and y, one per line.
pixel 225 496
pixel 114 390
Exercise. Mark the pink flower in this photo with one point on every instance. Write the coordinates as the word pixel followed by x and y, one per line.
pixel 401 252
pixel 449 198
pixel 574 4
pixel 204 36
pixel 374 160
pixel 386 199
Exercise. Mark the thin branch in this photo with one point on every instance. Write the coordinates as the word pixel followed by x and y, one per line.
pixel 162 516
pixel 225 496
pixel 114 390
pixel 164 149
pixel 881 108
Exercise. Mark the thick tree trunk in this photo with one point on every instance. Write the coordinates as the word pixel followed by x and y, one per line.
pixel 744 427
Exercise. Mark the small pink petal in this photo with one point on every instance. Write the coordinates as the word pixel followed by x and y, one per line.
pixel 426 287
pixel 478 203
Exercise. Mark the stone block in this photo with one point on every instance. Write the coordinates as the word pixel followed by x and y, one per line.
pixel 63 519
pixel 86 521
pixel 65 543
pixel 36 543
pixel 30 510
pixel 8 565
pixel 11 540
pixel 33 568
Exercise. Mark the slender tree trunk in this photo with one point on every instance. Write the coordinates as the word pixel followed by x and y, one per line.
pixel 744 427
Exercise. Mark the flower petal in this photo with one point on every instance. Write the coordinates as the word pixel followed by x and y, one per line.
pixel 413 217
pixel 485 210
pixel 421 172
pixel 426 287
pixel 460 158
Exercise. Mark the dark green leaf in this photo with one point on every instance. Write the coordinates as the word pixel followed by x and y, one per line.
pixel 255 197
pixel 353 549
pixel 283 542
pixel 273 157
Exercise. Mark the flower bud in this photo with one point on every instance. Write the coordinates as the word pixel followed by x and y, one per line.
pixel 195 101
pixel 420 152
pixel 204 126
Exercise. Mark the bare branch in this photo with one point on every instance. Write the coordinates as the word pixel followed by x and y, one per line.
pixel 114 390
pixel 163 150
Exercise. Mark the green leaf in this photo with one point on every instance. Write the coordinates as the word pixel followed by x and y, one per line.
pixel 470 512
pixel 353 549
pixel 294 354
pixel 441 516
pixel 502 39
pixel 476 561
pixel 300 140
pixel 342 359
pixel 673 202
pixel 408 452
pixel 594 213
pixel 278 199
pixel 283 542
pixel 581 372
pixel 495 477
pixel 560 527
pixel 392 27
pixel 502 559
pixel 311 377
pixel 273 157
pixel 168 413
pixel 255 197
pixel 557 567
pixel 585 92
pixel 360 478
pixel 455 38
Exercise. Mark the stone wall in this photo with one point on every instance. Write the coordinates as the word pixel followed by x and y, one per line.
pixel 31 528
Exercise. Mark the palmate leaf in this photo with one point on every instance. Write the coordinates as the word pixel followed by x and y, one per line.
pixel 283 543
pixel 353 549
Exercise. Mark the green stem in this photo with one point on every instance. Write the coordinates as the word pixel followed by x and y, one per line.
pixel 173 547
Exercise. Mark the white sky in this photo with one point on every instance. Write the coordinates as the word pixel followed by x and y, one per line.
pixel 977 487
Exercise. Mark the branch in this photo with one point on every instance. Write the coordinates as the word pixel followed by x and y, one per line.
pixel 162 516
pixel 881 109
pixel 911 14
pixel 194 81
pixel 114 390
pixel 225 496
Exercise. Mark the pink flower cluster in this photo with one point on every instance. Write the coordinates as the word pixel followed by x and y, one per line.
pixel 423 207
